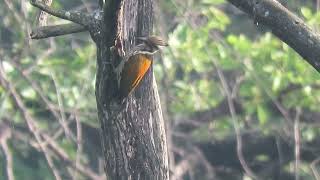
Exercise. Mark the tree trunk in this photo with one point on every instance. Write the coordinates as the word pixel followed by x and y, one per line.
pixel 133 133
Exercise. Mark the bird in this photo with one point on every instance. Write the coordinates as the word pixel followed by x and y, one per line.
pixel 137 64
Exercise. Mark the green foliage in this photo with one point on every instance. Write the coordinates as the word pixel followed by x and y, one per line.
pixel 260 70
pixel 62 69
pixel 268 69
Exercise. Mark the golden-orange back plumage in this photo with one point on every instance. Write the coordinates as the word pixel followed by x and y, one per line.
pixel 138 63
pixel 133 72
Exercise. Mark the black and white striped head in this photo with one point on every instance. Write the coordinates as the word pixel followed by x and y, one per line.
pixel 151 44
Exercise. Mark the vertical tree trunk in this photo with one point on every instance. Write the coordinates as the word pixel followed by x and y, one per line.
pixel 133 133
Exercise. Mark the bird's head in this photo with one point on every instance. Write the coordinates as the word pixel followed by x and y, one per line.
pixel 152 43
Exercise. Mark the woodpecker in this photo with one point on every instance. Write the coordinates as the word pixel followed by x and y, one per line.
pixel 138 63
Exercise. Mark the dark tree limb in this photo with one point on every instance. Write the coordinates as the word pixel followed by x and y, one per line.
pixel 83 21
pixel 133 134
pixel 76 17
pixel 56 30
pixel 286 26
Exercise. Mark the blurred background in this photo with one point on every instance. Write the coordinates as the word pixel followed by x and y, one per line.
pixel 238 103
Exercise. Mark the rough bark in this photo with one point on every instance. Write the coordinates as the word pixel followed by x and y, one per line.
pixel 56 30
pixel 133 135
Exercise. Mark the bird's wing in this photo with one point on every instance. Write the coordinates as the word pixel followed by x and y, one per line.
pixel 133 72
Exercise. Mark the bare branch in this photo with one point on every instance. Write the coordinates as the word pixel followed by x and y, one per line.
pixel 32 124
pixel 56 30
pixel 9 158
pixel 235 122
pixel 297 143
pixel 79 142
pixel 15 13
pixel 5 134
pixel 286 26
pixel 183 167
pixel 58 152
pixel 64 156
pixel 62 120
pixel 77 17
pixel 314 168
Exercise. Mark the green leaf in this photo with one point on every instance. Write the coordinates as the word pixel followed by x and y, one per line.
pixel 276 83
pixel 262 115
pixel 306 12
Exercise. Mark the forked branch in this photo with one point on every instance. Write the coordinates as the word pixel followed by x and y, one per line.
pixel 76 17
pixel 82 22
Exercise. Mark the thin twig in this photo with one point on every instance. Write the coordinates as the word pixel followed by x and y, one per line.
pixel 313 166
pixel 8 156
pixel 64 156
pixel 247 65
pixel 16 15
pixel 280 155
pixel 235 123
pixel 63 121
pixel 205 162
pixel 5 134
pixel 183 167
pixel 41 57
pixel 35 86
pixel 55 149
pixel 79 142
pixel 32 125
pixel 297 142
pixel 19 16
pixel 50 106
